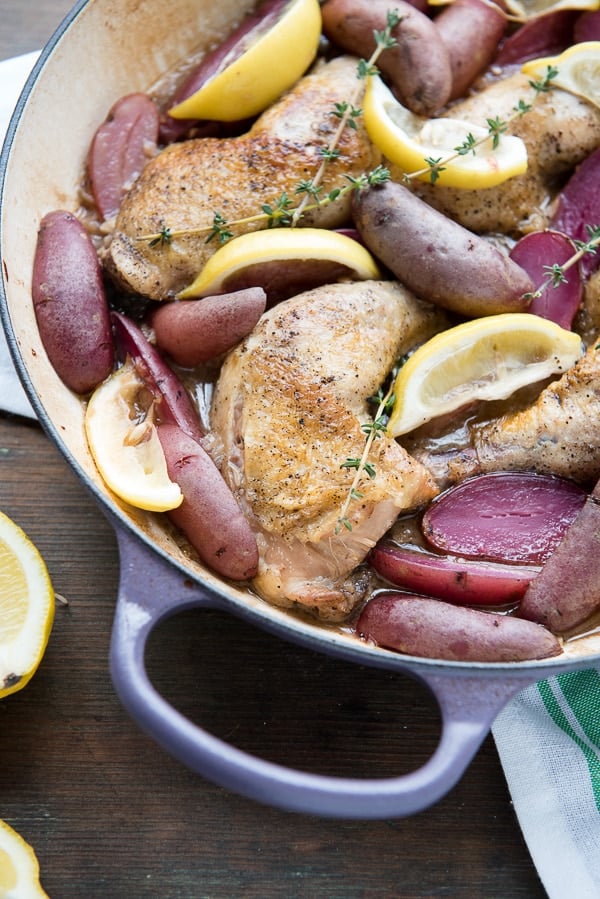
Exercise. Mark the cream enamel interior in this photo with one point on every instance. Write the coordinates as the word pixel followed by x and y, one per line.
pixel 112 47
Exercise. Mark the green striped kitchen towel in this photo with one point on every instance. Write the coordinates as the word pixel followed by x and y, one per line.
pixel 548 740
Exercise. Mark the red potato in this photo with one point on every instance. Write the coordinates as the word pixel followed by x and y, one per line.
pixel 471 30
pixel 120 148
pixel 535 253
pixel 567 590
pixel 505 516
pixel 579 206
pixel 176 406
pixel 195 331
pixel 460 581
pixel 436 258
pixel 546 35
pixel 209 515
pixel 70 303
pixel 283 279
pixel 425 627
pixel 417 68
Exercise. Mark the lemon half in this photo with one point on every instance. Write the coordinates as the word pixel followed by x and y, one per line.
pixel 578 70
pixel 281 245
pixel 125 445
pixel 19 867
pixel 26 607
pixel 409 140
pixel 272 64
pixel 484 359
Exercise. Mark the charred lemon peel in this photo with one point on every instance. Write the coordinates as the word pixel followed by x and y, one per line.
pixel 281 246
pixel 271 64
pixel 484 359
pixel 457 153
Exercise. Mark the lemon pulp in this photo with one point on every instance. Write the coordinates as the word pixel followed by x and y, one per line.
pixel 484 359
pixel 125 445
pixel 271 65
pixel 578 70
pixel 281 245
pixel 26 607
pixel 409 140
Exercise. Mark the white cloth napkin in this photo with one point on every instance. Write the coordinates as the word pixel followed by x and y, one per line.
pixel 548 738
pixel 13 73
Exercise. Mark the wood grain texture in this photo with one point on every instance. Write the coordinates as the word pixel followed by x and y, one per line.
pixel 111 815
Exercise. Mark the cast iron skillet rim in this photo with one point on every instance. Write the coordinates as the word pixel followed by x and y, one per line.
pixel 294 630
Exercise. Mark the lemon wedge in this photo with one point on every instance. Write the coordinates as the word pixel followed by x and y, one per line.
pixel 409 140
pixel 578 70
pixel 524 10
pixel 483 359
pixel 276 57
pixel 281 246
pixel 19 868
pixel 26 608
pixel 125 445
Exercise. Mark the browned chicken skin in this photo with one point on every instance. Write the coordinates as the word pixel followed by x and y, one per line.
pixel 288 409
pixel 557 434
pixel 187 183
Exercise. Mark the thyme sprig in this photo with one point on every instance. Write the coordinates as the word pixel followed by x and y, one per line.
pixel 554 274
pixel 373 430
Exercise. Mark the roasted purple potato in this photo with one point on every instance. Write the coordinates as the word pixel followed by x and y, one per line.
pixel 70 303
pixel 419 626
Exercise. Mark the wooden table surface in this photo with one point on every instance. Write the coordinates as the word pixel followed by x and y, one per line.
pixel 111 815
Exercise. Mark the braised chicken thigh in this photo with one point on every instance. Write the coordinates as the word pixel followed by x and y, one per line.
pixel 187 183
pixel 288 410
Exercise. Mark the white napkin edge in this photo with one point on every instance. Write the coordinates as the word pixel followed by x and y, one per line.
pixel 13 75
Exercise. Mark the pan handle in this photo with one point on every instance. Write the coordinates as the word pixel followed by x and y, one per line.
pixel 151 589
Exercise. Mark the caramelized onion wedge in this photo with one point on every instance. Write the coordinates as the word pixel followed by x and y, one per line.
pixel 578 205
pixel 460 581
pixel 176 406
pixel 504 516
pixel 537 252
pixel 120 148
pixel 424 627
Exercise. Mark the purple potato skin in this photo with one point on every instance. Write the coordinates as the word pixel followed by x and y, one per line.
pixel 428 628
pixel 196 331
pixel 436 258
pixel 567 590
pixel 460 581
pixel 176 406
pixel 209 515
pixel 70 303
pixel 471 30
pixel 537 251
pixel 417 68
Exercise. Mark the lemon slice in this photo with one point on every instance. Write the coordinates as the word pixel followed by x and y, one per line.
pixel 277 56
pixel 484 359
pixel 279 246
pixel 19 868
pixel 409 140
pixel 26 607
pixel 524 10
pixel 578 70
pixel 125 445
